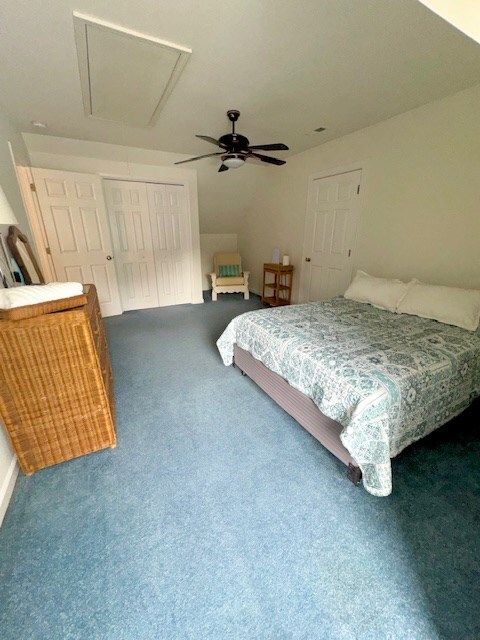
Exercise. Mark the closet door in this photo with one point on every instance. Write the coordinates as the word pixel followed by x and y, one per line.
pixel 75 221
pixel 172 242
pixel 129 216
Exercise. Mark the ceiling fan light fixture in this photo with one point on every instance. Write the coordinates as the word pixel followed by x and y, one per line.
pixel 233 160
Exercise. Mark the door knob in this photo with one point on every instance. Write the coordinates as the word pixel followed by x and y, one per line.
pixel 109 258
pixel 307 259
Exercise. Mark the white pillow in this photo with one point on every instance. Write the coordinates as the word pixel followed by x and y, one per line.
pixel 379 292
pixel 460 307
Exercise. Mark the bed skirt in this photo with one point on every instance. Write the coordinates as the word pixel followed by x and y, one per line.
pixel 296 404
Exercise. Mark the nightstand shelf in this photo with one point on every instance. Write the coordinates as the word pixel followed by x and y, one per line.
pixel 277 284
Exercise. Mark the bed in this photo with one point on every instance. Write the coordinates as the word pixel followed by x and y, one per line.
pixel 364 381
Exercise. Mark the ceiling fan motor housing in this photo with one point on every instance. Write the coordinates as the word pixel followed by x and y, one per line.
pixel 234 142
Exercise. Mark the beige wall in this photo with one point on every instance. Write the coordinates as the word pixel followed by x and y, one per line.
pixel 222 197
pixel 8 180
pixel 421 196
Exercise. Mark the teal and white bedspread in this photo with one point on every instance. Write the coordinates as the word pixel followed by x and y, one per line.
pixel 389 379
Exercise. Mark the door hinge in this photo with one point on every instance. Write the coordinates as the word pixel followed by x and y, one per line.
pixel 349 252
pixel 33 187
pixel 358 189
pixel 47 249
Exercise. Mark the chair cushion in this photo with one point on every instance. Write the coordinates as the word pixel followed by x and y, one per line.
pixel 229 270
pixel 221 282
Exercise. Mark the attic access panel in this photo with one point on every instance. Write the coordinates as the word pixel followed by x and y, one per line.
pixel 126 76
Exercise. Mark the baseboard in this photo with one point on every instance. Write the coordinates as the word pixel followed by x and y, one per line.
pixel 7 487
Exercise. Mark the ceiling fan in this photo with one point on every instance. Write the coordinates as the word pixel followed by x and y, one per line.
pixel 236 149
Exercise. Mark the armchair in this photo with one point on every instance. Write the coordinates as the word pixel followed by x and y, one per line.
pixel 228 276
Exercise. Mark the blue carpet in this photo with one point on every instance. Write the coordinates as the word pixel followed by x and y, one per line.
pixel 218 517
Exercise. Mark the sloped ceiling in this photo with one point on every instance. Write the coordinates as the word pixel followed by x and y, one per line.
pixel 463 14
pixel 289 67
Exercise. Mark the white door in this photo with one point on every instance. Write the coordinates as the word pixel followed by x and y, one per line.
pixel 172 242
pixel 128 212
pixel 76 225
pixel 330 227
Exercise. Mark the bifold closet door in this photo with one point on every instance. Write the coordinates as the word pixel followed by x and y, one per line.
pixel 128 210
pixel 172 244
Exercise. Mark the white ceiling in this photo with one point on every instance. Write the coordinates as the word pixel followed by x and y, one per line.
pixel 289 67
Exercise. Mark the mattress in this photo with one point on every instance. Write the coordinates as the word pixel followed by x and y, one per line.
pixel 388 379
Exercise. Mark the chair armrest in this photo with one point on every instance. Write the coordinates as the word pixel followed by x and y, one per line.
pixel 213 276
pixel 246 275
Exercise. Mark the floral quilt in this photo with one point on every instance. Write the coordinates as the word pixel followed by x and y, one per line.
pixel 388 378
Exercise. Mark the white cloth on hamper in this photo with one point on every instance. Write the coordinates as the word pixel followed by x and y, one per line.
pixel 22 296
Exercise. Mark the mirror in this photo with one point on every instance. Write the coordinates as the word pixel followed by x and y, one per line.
pixel 22 252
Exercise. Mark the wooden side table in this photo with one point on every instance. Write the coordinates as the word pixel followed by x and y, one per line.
pixel 277 284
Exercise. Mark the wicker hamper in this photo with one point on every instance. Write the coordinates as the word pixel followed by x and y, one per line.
pixel 56 384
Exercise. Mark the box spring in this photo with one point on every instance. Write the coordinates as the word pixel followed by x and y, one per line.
pixel 296 404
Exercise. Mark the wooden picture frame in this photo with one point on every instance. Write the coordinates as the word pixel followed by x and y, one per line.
pixel 21 250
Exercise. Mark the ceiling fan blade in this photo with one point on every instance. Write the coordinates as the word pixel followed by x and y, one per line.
pixel 212 140
pixel 208 155
pixel 277 146
pixel 268 159
pixel 223 167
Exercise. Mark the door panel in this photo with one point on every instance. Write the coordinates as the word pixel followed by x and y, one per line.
pixel 75 274
pixel 76 226
pixel 171 241
pixel 128 212
pixel 331 221
pixel 91 229
pixel 325 282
